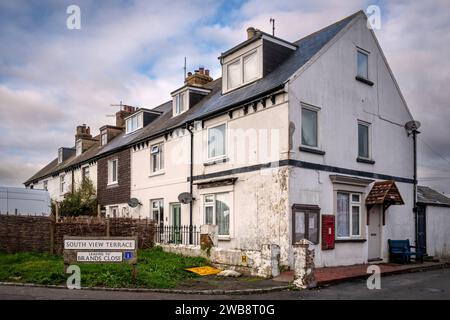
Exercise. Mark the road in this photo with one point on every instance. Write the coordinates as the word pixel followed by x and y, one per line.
pixel 433 284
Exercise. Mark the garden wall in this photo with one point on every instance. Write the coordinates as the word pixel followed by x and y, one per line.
pixel 44 234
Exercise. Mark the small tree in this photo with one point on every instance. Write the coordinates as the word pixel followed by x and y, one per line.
pixel 82 201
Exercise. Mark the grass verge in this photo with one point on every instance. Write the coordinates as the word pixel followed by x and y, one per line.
pixel 156 269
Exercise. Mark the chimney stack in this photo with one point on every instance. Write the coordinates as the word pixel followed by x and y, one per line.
pixel 199 78
pixel 83 132
pixel 122 114
pixel 251 32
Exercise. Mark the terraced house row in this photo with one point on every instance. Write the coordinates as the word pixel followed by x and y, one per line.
pixel 295 140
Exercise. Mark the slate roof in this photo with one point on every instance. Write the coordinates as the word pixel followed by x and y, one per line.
pixel 426 195
pixel 214 102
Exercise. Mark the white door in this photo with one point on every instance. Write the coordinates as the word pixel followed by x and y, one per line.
pixel 375 233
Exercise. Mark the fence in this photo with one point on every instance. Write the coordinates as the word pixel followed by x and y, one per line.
pixel 43 234
pixel 177 234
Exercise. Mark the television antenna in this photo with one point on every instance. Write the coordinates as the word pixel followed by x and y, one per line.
pixel 272 21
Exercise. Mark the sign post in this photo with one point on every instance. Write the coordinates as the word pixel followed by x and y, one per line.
pixel 101 250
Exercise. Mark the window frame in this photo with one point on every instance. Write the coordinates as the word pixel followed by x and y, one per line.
pixel 83 173
pixel 369 139
pixel 152 210
pixel 104 138
pixel 316 110
pixel 45 185
pixel 214 214
pixel 110 171
pixel 309 211
pixel 62 183
pixel 161 154
pixel 225 142
pixel 139 122
pixel 366 54
pixel 351 204
pixel 258 54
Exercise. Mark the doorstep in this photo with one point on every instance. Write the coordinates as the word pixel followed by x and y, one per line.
pixel 328 275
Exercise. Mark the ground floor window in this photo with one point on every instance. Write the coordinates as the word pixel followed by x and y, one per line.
pixel 114 211
pixel 348 215
pixel 157 211
pixel 305 223
pixel 217 211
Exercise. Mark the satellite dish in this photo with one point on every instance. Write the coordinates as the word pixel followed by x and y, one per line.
pixel 185 197
pixel 133 202
pixel 412 126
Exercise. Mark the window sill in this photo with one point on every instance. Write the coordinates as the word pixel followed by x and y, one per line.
pixel 224 238
pixel 112 185
pixel 312 150
pixel 157 173
pixel 216 161
pixel 350 240
pixel 363 80
pixel 364 160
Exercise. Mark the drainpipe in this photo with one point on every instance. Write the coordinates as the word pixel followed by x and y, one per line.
pixel 191 174
pixel 416 215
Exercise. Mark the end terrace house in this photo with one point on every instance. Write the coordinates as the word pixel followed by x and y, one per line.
pixel 295 140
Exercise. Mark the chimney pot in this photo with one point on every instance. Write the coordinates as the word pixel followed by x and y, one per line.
pixel 251 32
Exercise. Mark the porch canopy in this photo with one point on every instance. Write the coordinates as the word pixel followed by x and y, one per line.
pixel 384 193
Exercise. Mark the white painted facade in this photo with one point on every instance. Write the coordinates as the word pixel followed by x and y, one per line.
pixel 260 201
pixel 437 231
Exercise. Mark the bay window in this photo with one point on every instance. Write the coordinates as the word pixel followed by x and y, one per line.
pixel 348 215
pixel 217 211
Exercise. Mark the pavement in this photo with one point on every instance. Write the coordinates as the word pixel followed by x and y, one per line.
pixel 329 275
pixel 426 285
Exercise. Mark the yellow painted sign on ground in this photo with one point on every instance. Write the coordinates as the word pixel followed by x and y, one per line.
pixel 204 271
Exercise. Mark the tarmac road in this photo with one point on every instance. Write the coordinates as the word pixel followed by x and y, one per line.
pixel 432 284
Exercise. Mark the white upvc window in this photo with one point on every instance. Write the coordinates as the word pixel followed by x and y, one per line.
pixel 243 70
pixel 157 211
pixel 134 123
pixel 180 102
pixel 104 138
pixel 364 136
pixel 216 210
pixel 79 147
pixel 217 141
pixel 62 184
pixel 348 215
pixel 113 171
pixel 157 157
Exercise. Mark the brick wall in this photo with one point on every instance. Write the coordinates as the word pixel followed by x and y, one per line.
pixel 120 193
pixel 43 234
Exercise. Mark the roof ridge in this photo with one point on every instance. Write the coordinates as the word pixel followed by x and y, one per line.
pixel 350 17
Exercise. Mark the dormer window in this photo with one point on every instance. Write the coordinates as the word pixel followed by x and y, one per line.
pixel 104 137
pixel 79 147
pixel 180 103
pixel 134 123
pixel 243 69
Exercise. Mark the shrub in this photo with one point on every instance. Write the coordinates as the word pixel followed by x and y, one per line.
pixel 82 201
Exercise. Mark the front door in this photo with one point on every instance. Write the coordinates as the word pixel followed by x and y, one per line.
pixel 421 227
pixel 374 233
pixel 176 222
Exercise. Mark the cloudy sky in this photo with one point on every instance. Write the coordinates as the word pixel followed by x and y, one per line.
pixel 53 78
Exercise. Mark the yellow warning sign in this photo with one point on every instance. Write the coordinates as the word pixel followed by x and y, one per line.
pixel 204 271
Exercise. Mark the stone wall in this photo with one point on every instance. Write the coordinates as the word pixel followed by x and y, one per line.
pixel 44 234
